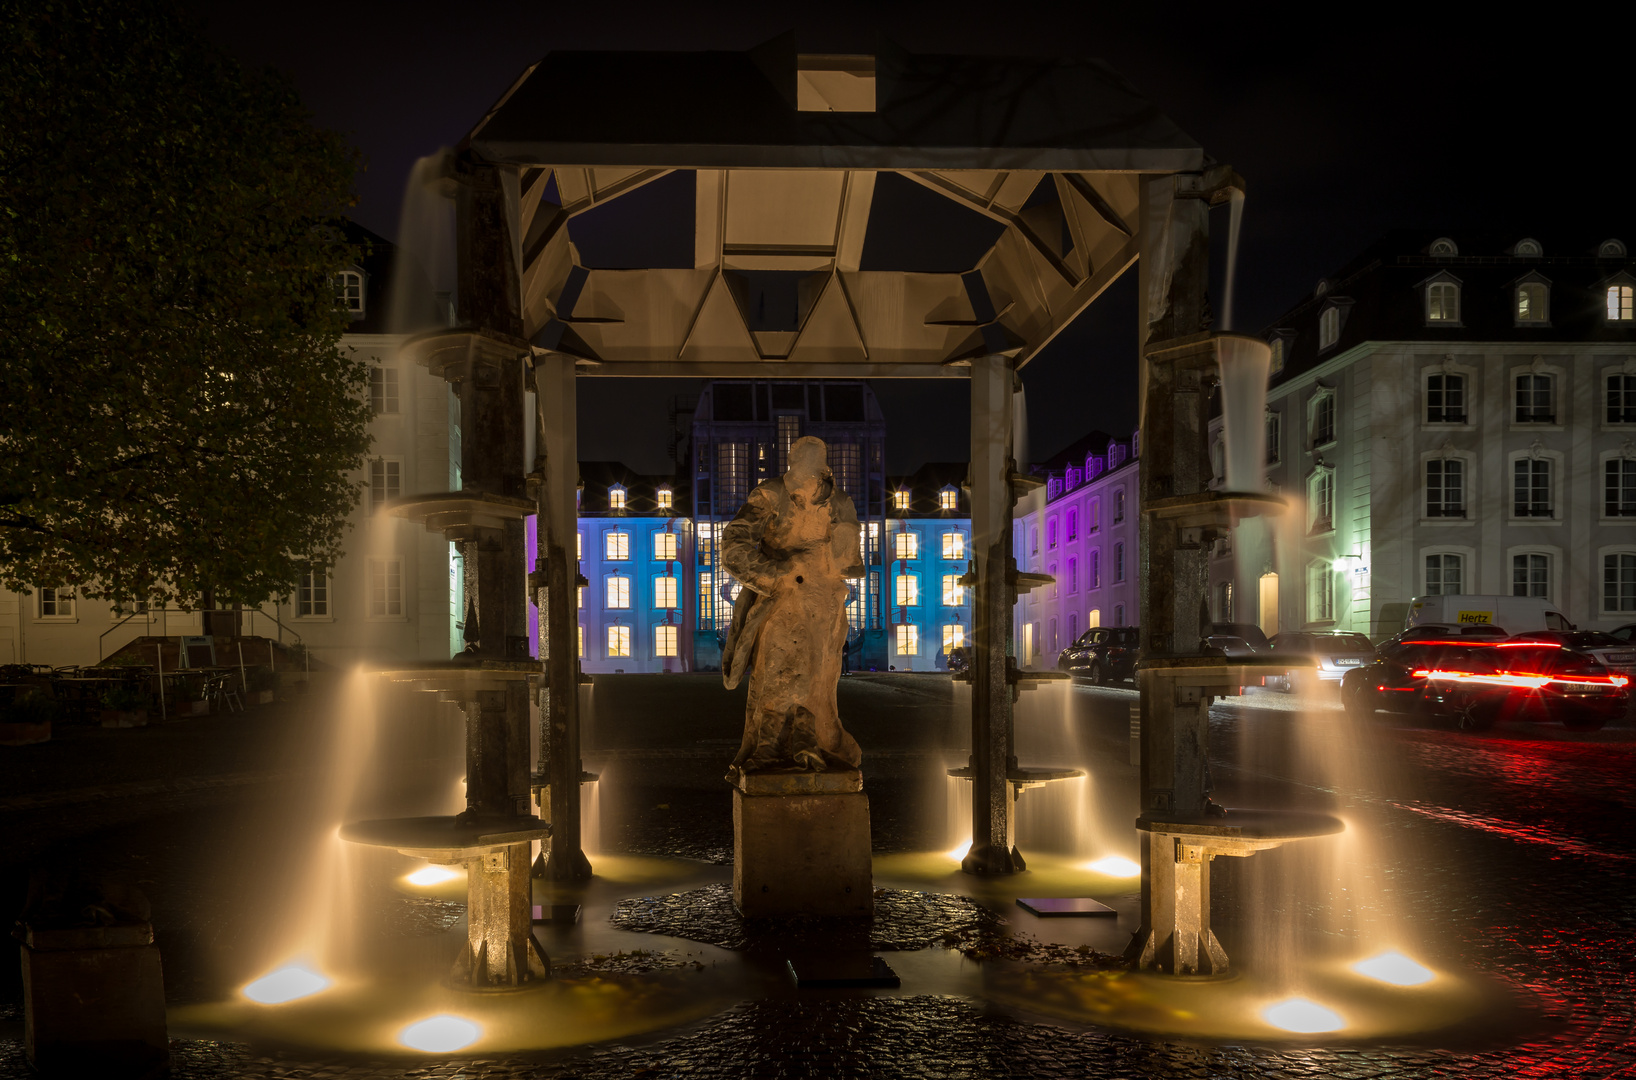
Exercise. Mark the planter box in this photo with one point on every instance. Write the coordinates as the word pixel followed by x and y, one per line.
pixel 124 718
pixel 24 734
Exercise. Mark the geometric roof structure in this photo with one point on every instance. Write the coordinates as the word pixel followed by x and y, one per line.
pixel 786 150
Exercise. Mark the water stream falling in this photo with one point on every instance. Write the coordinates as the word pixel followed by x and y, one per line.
pixel 1235 217
pixel 423 280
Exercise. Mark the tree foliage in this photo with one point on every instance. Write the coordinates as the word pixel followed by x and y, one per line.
pixel 176 412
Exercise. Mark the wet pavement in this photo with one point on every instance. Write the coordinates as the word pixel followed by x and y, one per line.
pixel 1507 855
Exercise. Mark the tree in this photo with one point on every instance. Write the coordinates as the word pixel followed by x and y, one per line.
pixel 176 412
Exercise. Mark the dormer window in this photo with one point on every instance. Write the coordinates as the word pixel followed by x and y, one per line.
pixel 1621 303
pixel 1611 249
pixel 616 497
pixel 1532 301
pixel 1527 249
pixel 1329 327
pixel 900 500
pixel 349 291
pixel 1443 246
pixel 1277 356
pixel 664 498
pixel 1443 302
pixel 946 499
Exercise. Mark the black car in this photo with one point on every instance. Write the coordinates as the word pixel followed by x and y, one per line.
pixel 1102 654
pixel 1443 631
pixel 1476 684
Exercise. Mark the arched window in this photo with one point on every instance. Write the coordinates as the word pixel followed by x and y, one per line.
pixel 1119 562
pixel 1445 574
pixel 1321 500
pixel 1073 576
pixel 1531 574
pixel 1536 398
pixel 1619 583
pixel 1445 398
pixel 616 497
pixel 1320 592
pixel 1055 587
pixel 1096 516
pixel 1094 576
pixel 1444 246
pixel 1118 505
pixel 1611 249
pixel 618 592
pixel 1051 533
pixel 1073 525
pixel 1445 487
pixel 1323 417
pixel 1621 390
pixel 1329 327
pixel 1527 249
pixel 1442 302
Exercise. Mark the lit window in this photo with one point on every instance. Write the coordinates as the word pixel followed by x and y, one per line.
pixel 581 630
pixel 1621 299
pixel 619 641
pixel 1119 564
pixel 1277 356
pixel 908 639
pixel 1619 582
pixel 385 482
pixel 1531 487
pixel 846 465
pixel 1620 476
pixel 56 603
pixel 1621 399
pixel 312 595
pixel 954 545
pixel 664 641
pixel 954 637
pixel 579 546
pixel 1531 575
pixel 1274 433
pixel 854 603
pixel 1321 501
pixel 954 593
pixel 616 546
pixel 1445 398
pixel 349 291
pixel 900 500
pixel 732 476
pixel 385 588
pixel 906 545
pixel 945 499
pixel 1329 327
pixel 1445 488
pixel 616 497
pixel 619 592
pixel 707 609
pixel 907 592
pixel 1443 302
pixel 1320 593
pixel 1323 419
pixel 579 592
pixel 383 390
pixel 1533 303
pixel 873 600
pixel 1445 575
pixel 664 546
pixel 664 497
pixel 664 592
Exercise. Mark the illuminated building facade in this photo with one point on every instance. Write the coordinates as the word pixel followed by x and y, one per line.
pixel 927 552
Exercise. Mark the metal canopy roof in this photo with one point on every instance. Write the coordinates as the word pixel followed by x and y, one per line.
pixel 1051 150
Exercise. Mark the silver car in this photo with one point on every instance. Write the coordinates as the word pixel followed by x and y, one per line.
pixel 1333 654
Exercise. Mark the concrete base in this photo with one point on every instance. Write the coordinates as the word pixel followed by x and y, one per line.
pixel 802 853
pixel 94 1002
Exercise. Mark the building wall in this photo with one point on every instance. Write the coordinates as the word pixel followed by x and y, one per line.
pixel 931 622
pixel 637 624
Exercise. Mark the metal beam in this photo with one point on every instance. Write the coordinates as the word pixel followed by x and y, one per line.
pixel 1085 294
pixel 770 369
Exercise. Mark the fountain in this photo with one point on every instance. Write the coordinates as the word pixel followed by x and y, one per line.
pixel 1181 519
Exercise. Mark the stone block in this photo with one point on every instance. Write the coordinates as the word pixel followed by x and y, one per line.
pixel 94 1002
pixel 802 854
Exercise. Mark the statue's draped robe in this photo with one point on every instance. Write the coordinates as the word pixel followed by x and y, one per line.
pixel 789 624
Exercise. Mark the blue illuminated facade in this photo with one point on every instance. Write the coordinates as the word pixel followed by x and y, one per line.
pixel 927 552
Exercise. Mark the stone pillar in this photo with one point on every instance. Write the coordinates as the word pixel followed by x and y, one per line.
pixel 992 850
pixel 93 1000
pixel 557 580
pixel 500 947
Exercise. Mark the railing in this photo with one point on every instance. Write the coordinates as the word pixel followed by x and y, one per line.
pixel 147 616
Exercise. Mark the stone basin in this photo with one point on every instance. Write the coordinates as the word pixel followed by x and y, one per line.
pixel 445 839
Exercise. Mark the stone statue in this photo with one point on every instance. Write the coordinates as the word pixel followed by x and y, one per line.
pixel 792 546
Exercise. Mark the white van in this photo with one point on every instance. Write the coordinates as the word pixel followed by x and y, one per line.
pixel 1516 614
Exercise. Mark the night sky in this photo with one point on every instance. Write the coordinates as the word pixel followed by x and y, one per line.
pixel 1346 121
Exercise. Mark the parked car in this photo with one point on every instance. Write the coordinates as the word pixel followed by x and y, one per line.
pixel 1612 652
pixel 1102 654
pixel 1439 631
pixel 1333 654
pixel 1520 613
pixel 1626 633
pixel 1249 633
pixel 1234 648
pixel 1477 684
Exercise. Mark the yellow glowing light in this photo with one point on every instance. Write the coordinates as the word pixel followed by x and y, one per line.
pixel 1115 866
pixel 1302 1016
pixel 286 984
pixel 1394 968
pixel 440 1034
pixel 432 875
pixel 958 854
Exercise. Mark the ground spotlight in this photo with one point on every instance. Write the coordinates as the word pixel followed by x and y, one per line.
pixel 286 984
pixel 440 1034
pixel 1302 1016
pixel 958 854
pixel 1115 866
pixel 1394 968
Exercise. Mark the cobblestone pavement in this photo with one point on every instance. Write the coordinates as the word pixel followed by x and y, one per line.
pixel 1508 853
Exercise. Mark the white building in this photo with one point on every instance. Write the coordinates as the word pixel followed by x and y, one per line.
pixel 1450 415
pixel 1081 529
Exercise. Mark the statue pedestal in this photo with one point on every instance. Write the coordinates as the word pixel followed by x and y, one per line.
pixel 801 845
